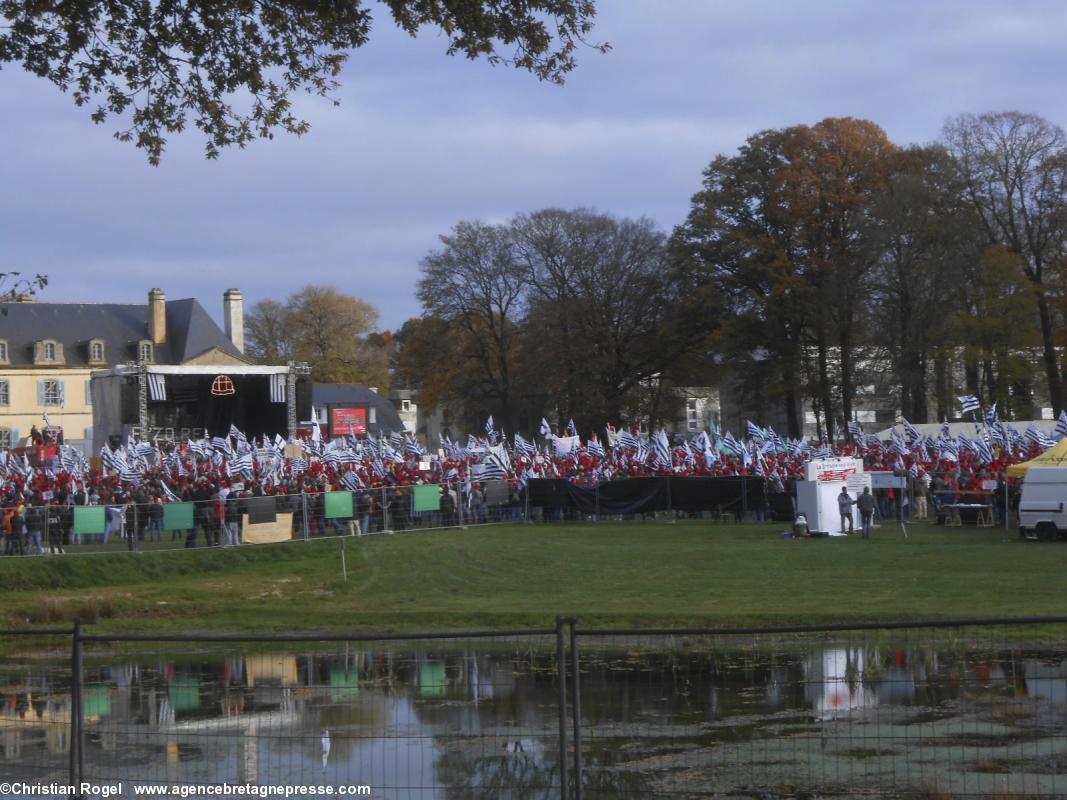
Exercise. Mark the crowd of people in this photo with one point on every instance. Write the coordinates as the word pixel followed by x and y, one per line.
pixel 217 474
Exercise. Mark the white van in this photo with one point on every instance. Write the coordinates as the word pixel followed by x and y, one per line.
pixel 1043 505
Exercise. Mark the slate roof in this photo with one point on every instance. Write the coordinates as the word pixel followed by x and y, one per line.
pixel 357 395
pixel 190 331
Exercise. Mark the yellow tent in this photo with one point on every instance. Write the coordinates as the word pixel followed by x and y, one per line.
pixel 1055 456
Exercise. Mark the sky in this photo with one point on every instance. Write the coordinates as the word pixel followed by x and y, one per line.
pixel 422 141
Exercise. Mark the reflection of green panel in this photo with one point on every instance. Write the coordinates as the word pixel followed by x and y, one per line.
pixel 427 498
pixel 432 681
pixel 343 684
pixel 177 516
pixel 184 693
pixel 89 519
pixel 96 701
pixel 338 505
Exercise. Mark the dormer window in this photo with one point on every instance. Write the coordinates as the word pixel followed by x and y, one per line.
pixel 48 351
pixel 96 351
pixel 145 351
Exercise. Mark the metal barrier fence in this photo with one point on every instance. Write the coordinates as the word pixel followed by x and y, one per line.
pixel 59 529
pixel 944 709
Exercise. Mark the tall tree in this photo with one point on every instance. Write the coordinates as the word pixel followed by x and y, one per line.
pixel 834 170
pixel 476 283
pixel 742 246
pixel 325 328
pixel 924 239
pixel 998 332
pixel 1015 168
pixel 164 63
pixel 605 302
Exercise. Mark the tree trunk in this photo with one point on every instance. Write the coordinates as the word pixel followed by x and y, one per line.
pixel 845 343
pixel 825 398
pixel 1052 367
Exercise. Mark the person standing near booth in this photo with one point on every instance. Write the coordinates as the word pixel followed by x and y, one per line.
pixel 865 504
pixel 844 505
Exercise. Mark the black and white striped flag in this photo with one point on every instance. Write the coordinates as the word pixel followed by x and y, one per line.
pixel 278 383
pixel 157 387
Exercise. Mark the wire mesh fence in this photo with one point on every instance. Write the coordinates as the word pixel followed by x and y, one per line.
pixel 404 717
pixel 923 711
pixel 35 705
pixel 920 710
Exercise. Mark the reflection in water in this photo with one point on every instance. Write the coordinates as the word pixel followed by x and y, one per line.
pixel 461 722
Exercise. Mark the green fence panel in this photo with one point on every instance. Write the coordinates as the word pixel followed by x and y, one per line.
pixel 89 519
pixel 427 498
pixel 338 505
pixel 178 516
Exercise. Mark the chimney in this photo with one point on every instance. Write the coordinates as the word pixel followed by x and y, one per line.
pixel 157 316
pixel 233 309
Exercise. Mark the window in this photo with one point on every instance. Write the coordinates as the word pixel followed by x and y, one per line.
pixel 144 352
pixel 7 439
pixel 3 351
pixel 88 393
pixel 50 393
pixel 372 416
pixel 96 351
pixel 5 393
pixel 49 351
pixel 692 424
pixel 405 405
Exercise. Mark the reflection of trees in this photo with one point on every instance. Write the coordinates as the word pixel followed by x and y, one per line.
pixel 469 770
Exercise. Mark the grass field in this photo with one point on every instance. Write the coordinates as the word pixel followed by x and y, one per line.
pixel 519 575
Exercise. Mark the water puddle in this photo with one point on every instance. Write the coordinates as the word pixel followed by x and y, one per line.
pixel 443 720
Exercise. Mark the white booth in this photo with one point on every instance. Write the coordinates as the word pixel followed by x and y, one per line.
pixel 817 494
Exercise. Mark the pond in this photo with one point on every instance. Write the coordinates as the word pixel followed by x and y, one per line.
pixel 439 719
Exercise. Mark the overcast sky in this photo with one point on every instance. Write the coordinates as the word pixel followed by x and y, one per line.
pixel 422 141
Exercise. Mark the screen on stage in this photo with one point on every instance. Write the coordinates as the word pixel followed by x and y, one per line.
pixel 348 421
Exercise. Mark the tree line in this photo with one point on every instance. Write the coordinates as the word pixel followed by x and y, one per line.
pixel 814 262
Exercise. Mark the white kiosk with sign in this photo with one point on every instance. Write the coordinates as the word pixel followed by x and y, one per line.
pixel 817 494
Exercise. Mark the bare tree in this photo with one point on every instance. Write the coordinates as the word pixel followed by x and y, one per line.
pixel 1015 169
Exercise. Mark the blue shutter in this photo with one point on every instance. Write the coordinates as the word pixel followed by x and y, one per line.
pixel 40 393
pixel 14 437
pixel 88 392
pixel 62 393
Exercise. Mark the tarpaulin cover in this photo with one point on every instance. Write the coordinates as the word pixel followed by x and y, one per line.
pixel 661 493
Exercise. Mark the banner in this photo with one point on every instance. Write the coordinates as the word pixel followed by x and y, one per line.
pixel 89 519
pixel 178 517
pixel 426 498
pixel 338 505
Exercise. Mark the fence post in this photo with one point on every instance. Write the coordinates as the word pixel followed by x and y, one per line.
pixel 561 677
pixel 77 764
pixel 744 498
pixel 670 511
pixel 596 516
pixel 576 710
pixel 385 510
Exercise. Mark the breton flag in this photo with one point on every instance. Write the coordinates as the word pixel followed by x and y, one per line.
pixel 278 387
pixel 157 387
pixel 970 404
pixel 1061 426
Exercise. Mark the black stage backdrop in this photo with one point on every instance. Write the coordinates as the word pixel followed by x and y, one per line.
pixel 661 493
